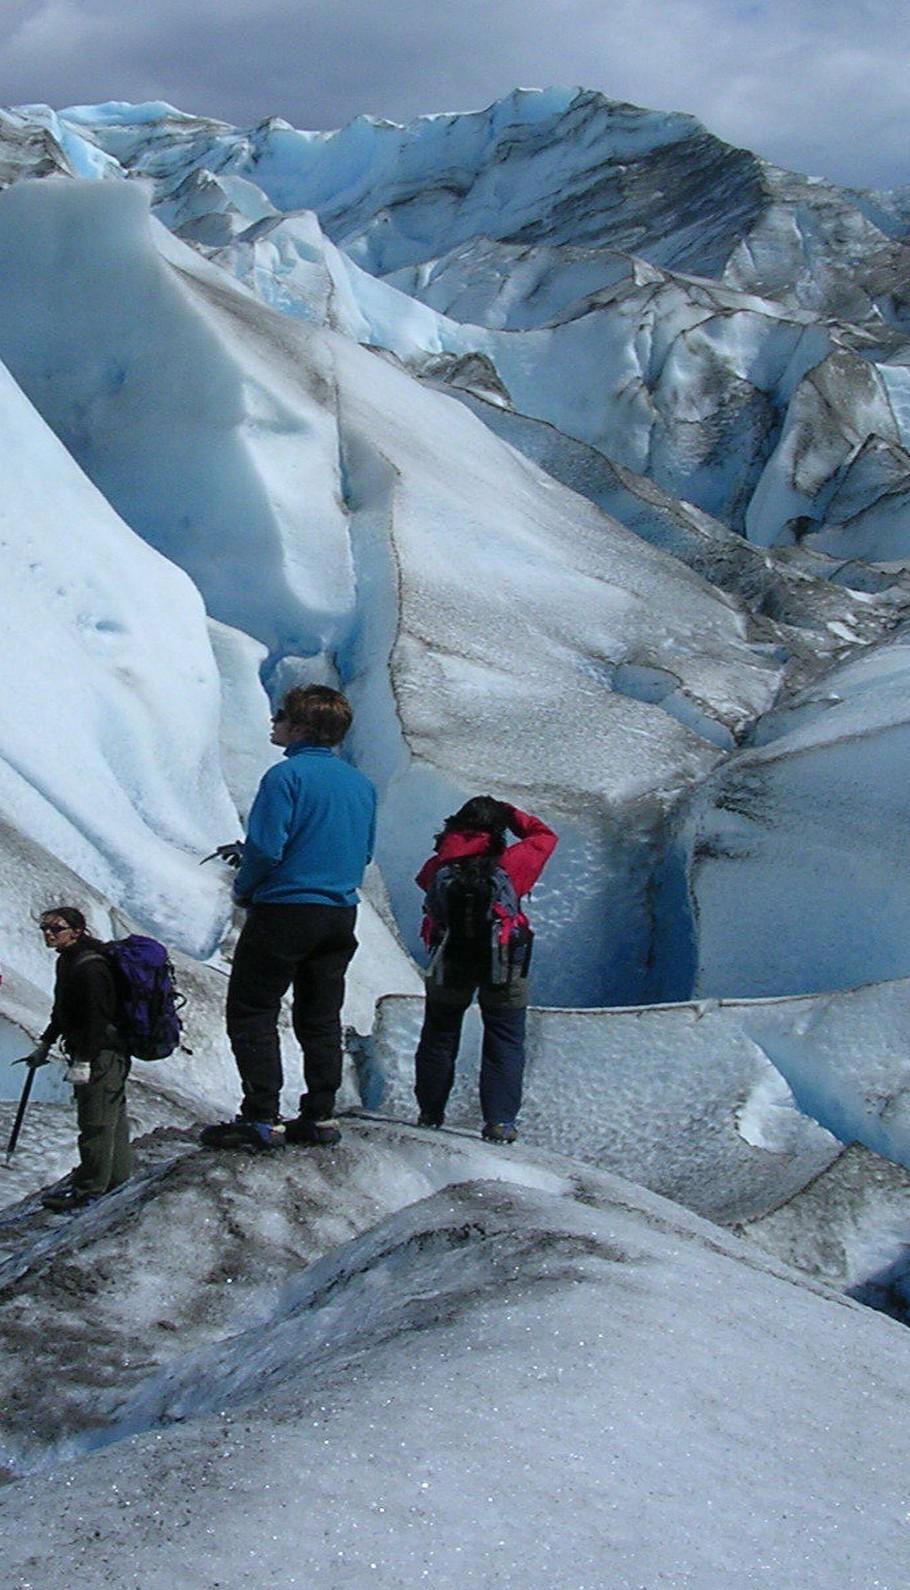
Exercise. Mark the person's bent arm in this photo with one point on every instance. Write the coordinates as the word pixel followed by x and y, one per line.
pixel 267 834
pixel 536 844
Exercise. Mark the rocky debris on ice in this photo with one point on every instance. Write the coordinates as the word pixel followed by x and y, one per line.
pixel 28 149
pixel 849 1225
pixel 786 590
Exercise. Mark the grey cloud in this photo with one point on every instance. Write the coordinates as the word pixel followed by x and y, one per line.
pixel 819 85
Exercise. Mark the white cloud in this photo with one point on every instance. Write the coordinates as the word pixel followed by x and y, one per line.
pixel 819 85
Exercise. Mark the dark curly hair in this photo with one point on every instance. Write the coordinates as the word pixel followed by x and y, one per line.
pixel 480 815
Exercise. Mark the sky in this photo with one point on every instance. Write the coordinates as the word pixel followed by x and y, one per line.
pixel 820 86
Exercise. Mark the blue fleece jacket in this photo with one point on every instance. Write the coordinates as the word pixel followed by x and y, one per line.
pixel 310 832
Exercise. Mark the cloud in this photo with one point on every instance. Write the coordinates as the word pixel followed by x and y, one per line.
pixel 818 85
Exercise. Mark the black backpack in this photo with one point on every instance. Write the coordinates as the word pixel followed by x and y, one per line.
pixel 478 927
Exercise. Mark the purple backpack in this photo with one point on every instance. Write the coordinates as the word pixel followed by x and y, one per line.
pixel 147 996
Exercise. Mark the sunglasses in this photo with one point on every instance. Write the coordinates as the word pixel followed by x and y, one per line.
pixel 280 716
pixel 54 928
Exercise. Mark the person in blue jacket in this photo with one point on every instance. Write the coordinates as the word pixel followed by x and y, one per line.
pixel 309 837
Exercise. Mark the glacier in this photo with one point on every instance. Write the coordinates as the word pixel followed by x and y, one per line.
pixel 282 436
pixel 575 445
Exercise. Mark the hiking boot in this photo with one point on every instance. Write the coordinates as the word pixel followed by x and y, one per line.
pixel 324 1134
pixel 435 1121
pixel 251 1137
pixel 78 1072
pixel 66 1200
pixel 498 1132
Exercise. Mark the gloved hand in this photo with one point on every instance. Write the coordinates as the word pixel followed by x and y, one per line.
pixel 38 1057
pixel 232 853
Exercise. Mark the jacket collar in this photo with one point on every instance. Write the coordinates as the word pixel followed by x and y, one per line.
pixel 84 946
pixel 314 750
pixel 454 845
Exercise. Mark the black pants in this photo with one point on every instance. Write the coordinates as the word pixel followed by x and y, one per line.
pixel 307 947
pixel 502 1061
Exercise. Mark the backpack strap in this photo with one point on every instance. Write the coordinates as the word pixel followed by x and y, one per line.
pixel 92 955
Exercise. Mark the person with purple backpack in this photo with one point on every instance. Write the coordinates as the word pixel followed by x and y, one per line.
pixel 85 1017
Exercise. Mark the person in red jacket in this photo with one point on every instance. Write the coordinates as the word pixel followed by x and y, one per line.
pixel 480 941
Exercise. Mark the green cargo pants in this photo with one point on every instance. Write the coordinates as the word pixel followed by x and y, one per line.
pixel 104 1133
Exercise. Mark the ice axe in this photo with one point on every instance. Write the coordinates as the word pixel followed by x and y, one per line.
pixel 23 1102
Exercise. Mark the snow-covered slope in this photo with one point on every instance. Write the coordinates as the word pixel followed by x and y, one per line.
pixel 499 1368
pixel 109 744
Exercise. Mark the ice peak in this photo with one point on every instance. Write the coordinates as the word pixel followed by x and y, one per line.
pixel 120 113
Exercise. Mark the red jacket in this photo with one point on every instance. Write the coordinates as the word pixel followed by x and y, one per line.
pixel 523 862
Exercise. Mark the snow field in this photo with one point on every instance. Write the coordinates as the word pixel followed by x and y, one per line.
pixel 681 1101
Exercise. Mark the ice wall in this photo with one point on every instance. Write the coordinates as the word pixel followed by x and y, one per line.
pixel 196 445
pixel 798 873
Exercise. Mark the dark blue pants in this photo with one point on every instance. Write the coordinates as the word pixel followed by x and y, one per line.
pixel 307 948
pixel 502 1061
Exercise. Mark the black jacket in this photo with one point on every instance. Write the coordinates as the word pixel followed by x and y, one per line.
pixel 85 1001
